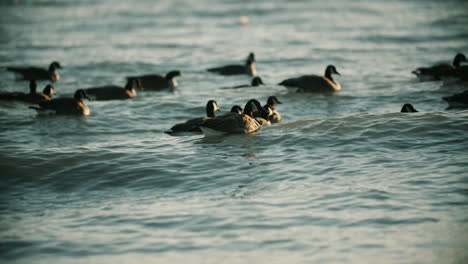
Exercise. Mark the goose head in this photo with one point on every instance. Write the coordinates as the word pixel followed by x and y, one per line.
pixel 272 101
pixel 211 108
pixel 408 108
pixel 173 74
pixel 250 58
pixel 459 58
pixel 80 94
pixel 257 81
pixel 54 65
pixel 251 107
pixel 49 90
pixel 236 109
pixel 331 69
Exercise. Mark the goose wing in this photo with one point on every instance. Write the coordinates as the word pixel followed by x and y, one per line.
pixel 233 123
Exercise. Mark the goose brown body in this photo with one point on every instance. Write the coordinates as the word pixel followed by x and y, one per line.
pixel 66 106
pixel 315 83
pixel 36 73
pixel 112 92
pixel 248 68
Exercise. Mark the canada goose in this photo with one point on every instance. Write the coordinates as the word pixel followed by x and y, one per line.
pixel 157 82
pixel 408 108
pixel 262 114
pixel 256 81
pixel 440 71
pixel 35 73
pixel 457 100
pixel 271 103
pixel 113 92
pixel 65 106
pixel 233 123
pixel 248 68
pixel 193 125
pixel 315 83
pixel 32 96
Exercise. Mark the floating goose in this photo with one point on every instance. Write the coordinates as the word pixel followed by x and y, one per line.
pixel 157 82
pixel 65 106
pixel 232 123
pixel 32 96
pixel 315 83
pixel 457 100
pixel 408 108
pixel 271 103
pixel 35 73
pixel 193 125
pixel 440 71
pixel 262 114
pixel 256 81
pixel 113 92
pixel 248 68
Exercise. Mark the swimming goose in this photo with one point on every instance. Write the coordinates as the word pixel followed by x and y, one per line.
pixel 262 114
pixel 256 81
pixel 193 125
pixel 408 108
pixel 157 82
pixel 457 100
pixel 113 92
pixel 271 103
pixel 32 96
pixel 233 123
pixel 248 68
pixel 35 73
pixel 440 71
pixel 315 83
pixel 65 106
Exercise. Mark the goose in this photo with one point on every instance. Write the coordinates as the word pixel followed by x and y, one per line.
pixel 65 106
pixel 256 81
pixel 232 123
pixel 315 83
pixel 271 103
pixel 193 125
pixel 248 68
pixel 157 82
pixel 32 96
pixel 408 108
pixel 440 71
pixel 35 73
pixel 459 100
pixel 112 92
pixel 262 114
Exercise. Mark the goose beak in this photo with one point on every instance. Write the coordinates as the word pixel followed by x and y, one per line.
pixel 336 72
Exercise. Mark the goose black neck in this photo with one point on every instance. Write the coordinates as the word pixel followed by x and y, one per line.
pixel 456 62
pixel 32 87
pixel 328 74
pixel 210 111
pixel 129 85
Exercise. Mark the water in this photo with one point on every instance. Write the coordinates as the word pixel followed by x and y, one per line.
pixel 343 179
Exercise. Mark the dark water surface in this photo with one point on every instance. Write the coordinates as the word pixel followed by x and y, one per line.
pixel 343 179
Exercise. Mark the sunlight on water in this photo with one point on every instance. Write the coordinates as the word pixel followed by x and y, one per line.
pixel 343 178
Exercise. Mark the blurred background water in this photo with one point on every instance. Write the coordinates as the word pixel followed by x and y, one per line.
pixel 342 179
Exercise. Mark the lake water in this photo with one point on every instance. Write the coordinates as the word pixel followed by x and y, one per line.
pixel 342 179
